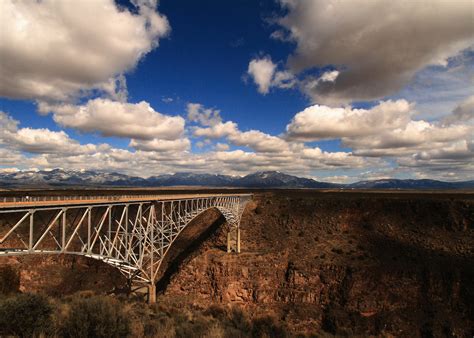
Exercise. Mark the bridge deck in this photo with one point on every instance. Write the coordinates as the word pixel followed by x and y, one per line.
pixel 48 201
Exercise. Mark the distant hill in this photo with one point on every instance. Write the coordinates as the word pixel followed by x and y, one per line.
pixel 410 184
pixel 263 179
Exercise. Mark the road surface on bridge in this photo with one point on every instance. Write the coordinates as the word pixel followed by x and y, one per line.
pixel 46 201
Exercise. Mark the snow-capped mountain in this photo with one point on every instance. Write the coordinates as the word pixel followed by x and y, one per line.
pixel 67 177
pixel 264 179
pixel 191 179
pixel 277 179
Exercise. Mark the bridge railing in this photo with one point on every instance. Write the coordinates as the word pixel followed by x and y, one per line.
pixel 26 198
pixel 107 198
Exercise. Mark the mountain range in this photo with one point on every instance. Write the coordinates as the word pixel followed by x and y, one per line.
pixel 265 179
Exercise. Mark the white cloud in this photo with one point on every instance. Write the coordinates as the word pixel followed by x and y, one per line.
pixel 377 46
pixel 459 150
pixel 408 139
pixel 40 140
pixel 52 149
pixel 329 76
pixel 322 122
pixel 333 159
pixel 204 116
pixel 177 145
pixel 216 131
pixel 283 79
pixel 264 74
pixel 222 146
pixel 11 158
pixel 113 118
pixel 258 141
pixel 8 125
pixel 262 71
pixel 254 139
pixel 388 130
pixel 55 50
pixel 47 141
pixel 420 138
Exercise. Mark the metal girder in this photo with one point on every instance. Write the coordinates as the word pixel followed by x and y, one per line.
pixel 132 236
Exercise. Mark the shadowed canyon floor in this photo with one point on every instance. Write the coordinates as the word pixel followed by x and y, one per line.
pixel 338 263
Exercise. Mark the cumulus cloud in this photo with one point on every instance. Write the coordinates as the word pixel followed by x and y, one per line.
pixel 454 161
pixel 258 141
pixel 322 122
pixel 11 158
pixel 204 116
pixel 113 118
pixel 262 71
pixel 265 75
pixel 377 46
pixel 55 50
pixel 408 138
pixel 388 130
pixel 40 140
pixel 44 148
pixel 417 138
pixel 333 159
pixel 216 131
pixel 459 150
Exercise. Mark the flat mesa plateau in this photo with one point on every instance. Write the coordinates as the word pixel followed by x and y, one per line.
pixel 313 262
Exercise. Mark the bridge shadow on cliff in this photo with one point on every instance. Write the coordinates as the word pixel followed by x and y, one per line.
pixel 210 223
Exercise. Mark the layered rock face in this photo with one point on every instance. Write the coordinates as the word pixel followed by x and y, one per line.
pixel 399 264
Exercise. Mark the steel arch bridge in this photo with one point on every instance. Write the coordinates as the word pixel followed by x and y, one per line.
pixel 131 233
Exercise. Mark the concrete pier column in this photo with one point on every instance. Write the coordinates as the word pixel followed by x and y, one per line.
pixel 151 293
pixel 238 240
pixel 233 240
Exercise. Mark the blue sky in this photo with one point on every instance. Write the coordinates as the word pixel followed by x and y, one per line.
pixel 319 89
pixel 205 58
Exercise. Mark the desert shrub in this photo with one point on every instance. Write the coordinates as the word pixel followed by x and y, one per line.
pixel 266 327
pixel 160 324
pixel 239 320
pixel 96 316
pixel 164 327
pixel 193 328
pixel 216 330
pixel 216 312
pixel 25 315
pixel 9 280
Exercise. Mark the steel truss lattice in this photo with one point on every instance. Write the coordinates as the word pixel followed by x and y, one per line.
pixel 132 236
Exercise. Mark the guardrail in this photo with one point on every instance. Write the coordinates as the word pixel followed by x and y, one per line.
pixel 16 199
pixel 26 199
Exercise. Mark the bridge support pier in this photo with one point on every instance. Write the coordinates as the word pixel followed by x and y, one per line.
pixel 151 293
pixel 233 240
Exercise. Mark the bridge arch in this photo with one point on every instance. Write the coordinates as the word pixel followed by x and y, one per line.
pixel 132 235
